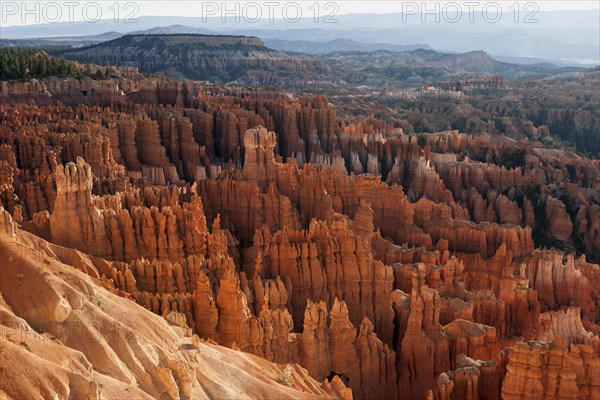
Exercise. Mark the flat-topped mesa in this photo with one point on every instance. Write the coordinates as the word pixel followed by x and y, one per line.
pixel 75 221
pixel 243 60
pixel 259 160
pixel 206 40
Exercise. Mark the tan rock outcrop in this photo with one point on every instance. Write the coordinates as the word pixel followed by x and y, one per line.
pixel 75 221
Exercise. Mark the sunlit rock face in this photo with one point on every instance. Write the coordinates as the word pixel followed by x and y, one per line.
pixel 379 265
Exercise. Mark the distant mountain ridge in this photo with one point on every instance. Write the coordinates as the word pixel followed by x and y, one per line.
pixel 291 46
pixel 383 67
pixel 567 36
pixel 246 60
pixel 172 29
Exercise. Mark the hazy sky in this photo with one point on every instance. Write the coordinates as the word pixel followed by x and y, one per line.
pixel 154 7
pixel 18 12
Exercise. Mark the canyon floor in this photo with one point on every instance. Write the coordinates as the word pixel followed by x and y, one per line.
pixel 181 239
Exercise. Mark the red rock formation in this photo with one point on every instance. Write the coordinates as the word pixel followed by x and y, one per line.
pixel 561 284
pixel 423 293
pixel 244 209
pixel 259 164
pixel 422 335
pixel 308 259
pixel 56 359
pixel 587 224
pixel 426 182
pixel 75 222
pixel 539 370
pixel 559 222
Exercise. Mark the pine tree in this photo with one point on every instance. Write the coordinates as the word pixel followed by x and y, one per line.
pixel 16 63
